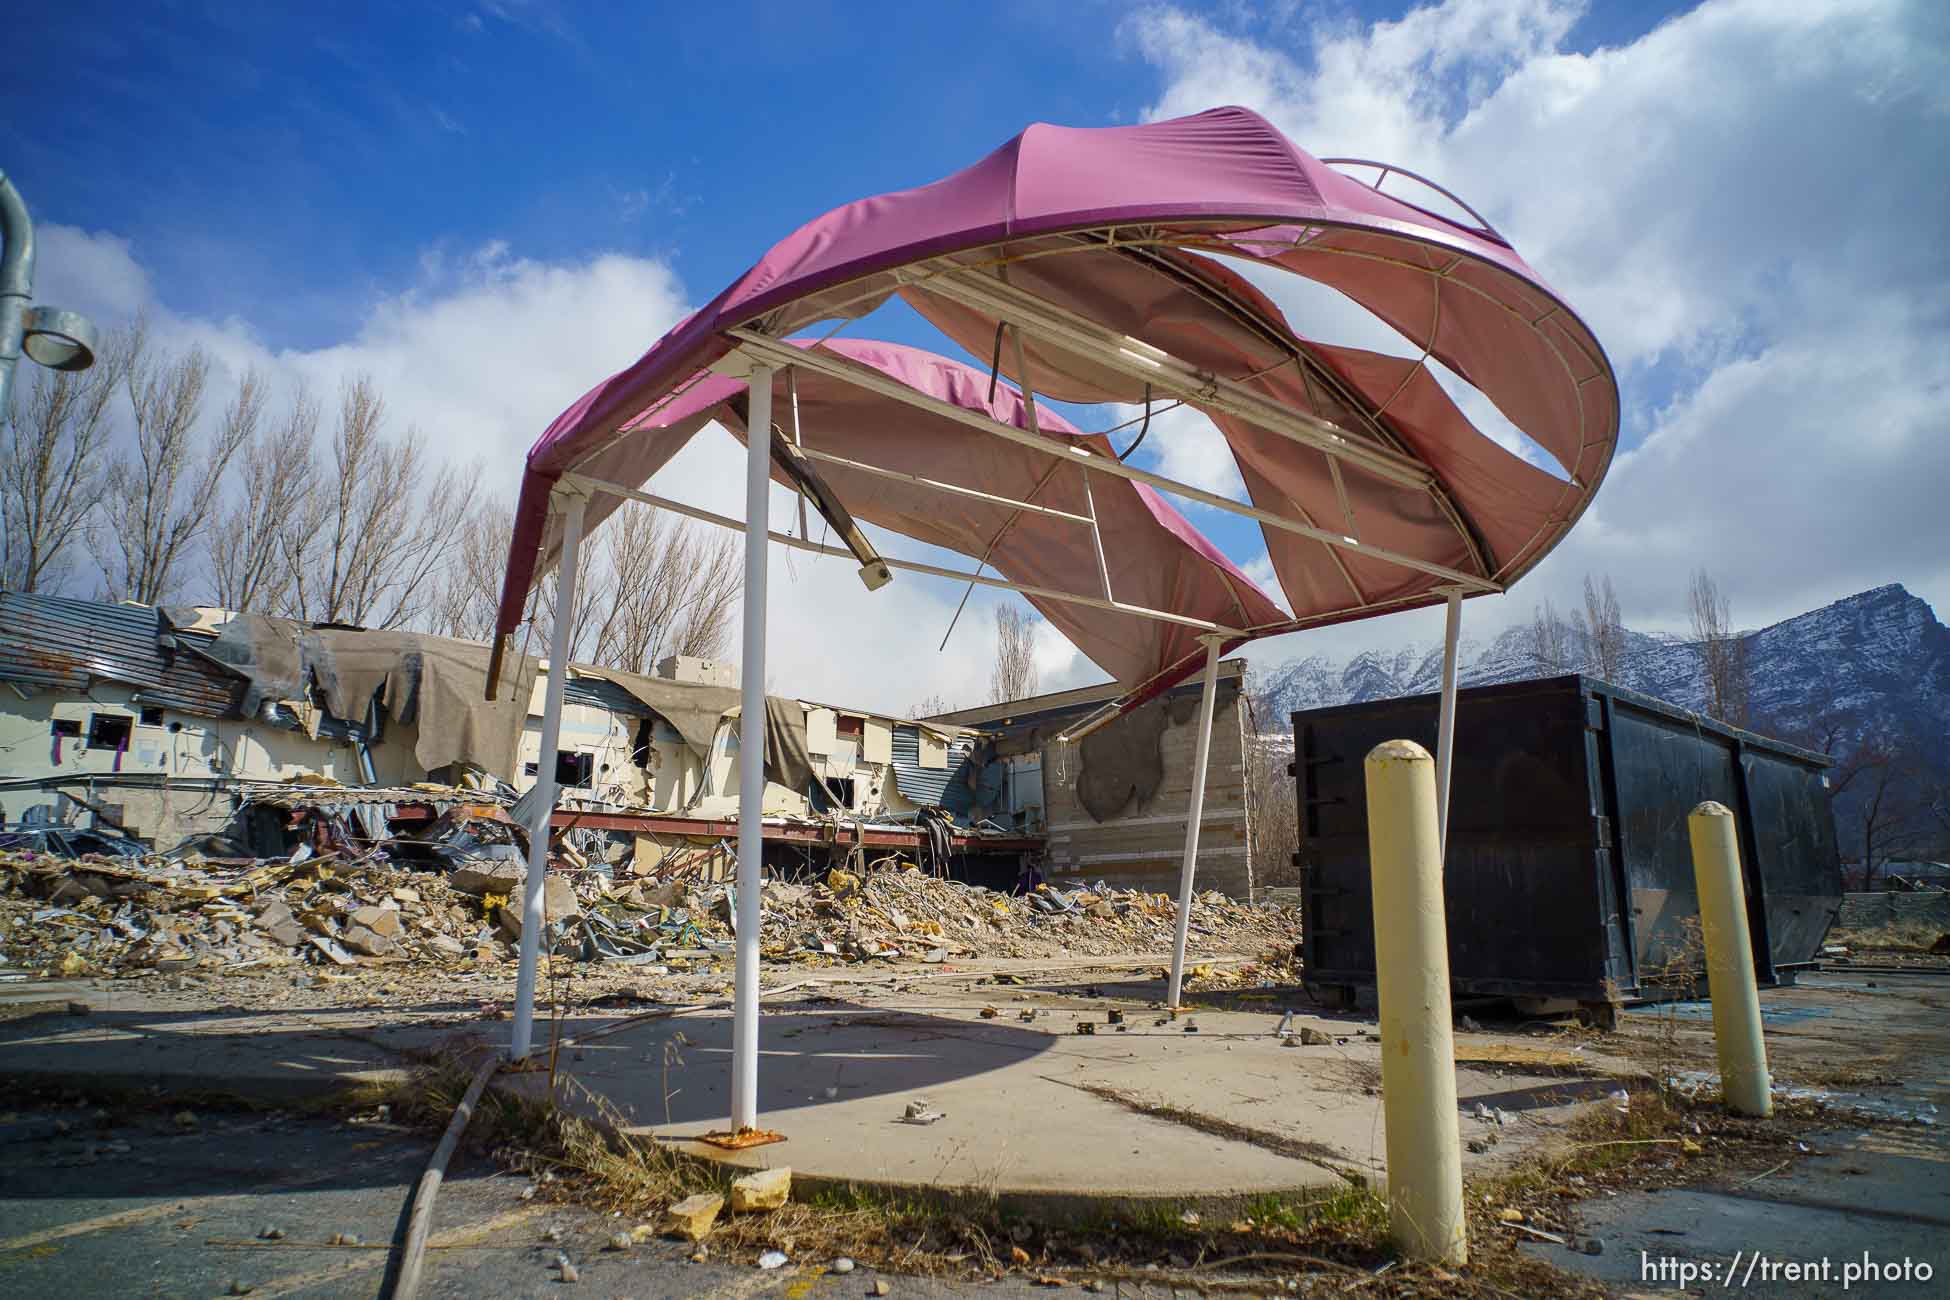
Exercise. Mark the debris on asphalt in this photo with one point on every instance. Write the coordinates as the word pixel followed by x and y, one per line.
pixel 919 1112
pixel 768 1189
pixel 842 1265
pixel 772 1259
pixel 692 1217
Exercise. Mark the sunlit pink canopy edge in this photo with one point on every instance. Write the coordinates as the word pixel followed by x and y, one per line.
pixel 1222 181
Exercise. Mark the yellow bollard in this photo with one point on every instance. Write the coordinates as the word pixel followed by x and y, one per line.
pixel 1729 960
pixel 1418 1050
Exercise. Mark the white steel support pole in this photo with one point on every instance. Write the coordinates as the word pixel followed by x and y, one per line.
pixel 533 917
pixel 751 755
pixel 1197 814
pixel 1445 735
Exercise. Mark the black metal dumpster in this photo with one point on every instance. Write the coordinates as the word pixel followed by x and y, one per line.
pixel 1569 875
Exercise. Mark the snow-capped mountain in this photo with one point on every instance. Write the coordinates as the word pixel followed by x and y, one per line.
pixel 1873 664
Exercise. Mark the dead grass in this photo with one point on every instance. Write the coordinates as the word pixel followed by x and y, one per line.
pixel 1895 936
pixel 1335 1240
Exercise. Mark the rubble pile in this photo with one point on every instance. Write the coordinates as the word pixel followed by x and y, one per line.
pixel 99 916
pixel 908 915
pixel 127 918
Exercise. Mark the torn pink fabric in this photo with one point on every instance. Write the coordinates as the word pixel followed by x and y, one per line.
pixel 1154 556
pixel 1140 229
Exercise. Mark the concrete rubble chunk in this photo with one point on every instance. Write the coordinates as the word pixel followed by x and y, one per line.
pixel 1311 1037
pixel 559 900
pixel 487 878
pixel 692 1217
pixel 361 940
pixel 382 921
pixel 768 1189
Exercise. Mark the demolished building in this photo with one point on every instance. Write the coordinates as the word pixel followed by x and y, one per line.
pixel 170 724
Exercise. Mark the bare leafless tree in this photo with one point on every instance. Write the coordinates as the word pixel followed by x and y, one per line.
pixel 157 502
pixel 675 588
pixel 1602 628
pixel 382 528
pixel 1884 801
pixel 932 707
pixel 274 485
pixel 1550 641
pixel 53 466
pixel 1014 676
pixel 1272 808
pixel 469 593
pixel 650 586
pixel 1722 651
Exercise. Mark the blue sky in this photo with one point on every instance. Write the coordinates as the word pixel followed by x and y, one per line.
pixel 490 206
pixel 291 163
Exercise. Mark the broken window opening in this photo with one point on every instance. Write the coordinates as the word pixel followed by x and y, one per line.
pixel 832 794
pixel 152 716
pixel 110 731
pixel 573 768
pixel 68 727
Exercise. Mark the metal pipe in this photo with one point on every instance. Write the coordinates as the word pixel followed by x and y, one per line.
pixel 751 756
pixel 16 283
pixel 760 347
pixel 911 566
pixel 1150 364
pixel 798 440
pixel 953 489
pixel 1193 819
pixel 1445 735
pixel 534 918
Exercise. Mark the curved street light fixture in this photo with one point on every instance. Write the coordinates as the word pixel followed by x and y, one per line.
pixel 57 339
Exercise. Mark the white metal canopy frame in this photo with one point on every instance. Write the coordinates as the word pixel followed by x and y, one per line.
pixel 1081 266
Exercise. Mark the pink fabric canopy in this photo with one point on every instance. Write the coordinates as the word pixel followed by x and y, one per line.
pixel 1139 229
pixel 1154 557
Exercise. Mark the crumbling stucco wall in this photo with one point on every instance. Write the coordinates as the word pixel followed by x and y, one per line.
pixel 1142 844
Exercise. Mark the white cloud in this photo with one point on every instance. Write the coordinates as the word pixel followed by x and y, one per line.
pixel 94 273
pixel 1747 205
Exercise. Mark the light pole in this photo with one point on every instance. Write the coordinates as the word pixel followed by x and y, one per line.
pixel 59 340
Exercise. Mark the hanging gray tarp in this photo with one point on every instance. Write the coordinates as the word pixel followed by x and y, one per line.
pixel 693 708
pixel 433 682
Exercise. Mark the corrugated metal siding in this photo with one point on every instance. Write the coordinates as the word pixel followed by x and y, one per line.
pixel 600 693
pixel 56 643
pixel 941 787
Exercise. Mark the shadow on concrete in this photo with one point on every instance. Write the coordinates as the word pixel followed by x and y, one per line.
pixel 672 1070
pixel 266 1056
pixel 677 1071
